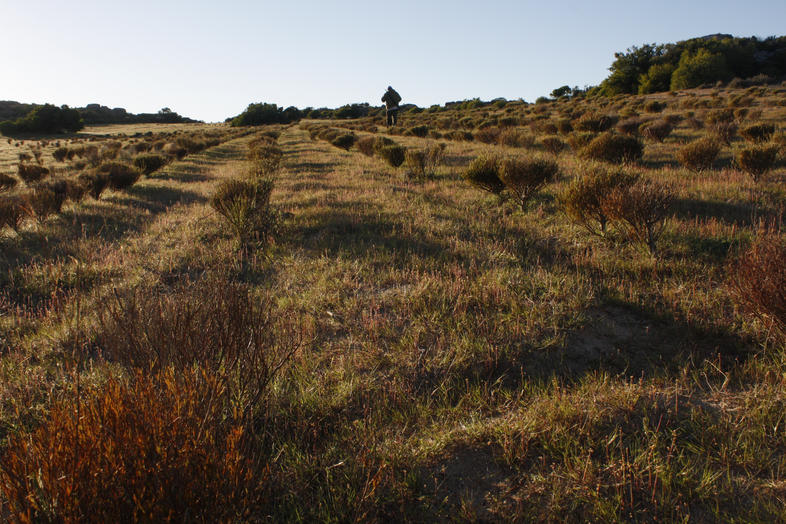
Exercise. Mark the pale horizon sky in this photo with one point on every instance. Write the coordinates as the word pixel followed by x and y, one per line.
pixel 209 60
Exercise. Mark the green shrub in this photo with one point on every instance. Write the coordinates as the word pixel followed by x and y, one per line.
pixel 525 176
pixel 583 200
pixel 7 182
pixel 344 141
pixel 758 133
pixel 699 155
pixel 756 160
pixel 244 204
pixel 483 172
pixel 394 154
pixel 640 209
pixel 613 148
pixel 149 163
pixel 31 173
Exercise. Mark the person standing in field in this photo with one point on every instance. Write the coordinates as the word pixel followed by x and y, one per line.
pixel 391 99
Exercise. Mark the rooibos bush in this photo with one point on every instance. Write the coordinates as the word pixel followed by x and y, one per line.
pixel 553 144
pixel 657 131
pixel 420 131
pixel 483 172
pixel 120 175
pixel 244 204
pixel 366 145
pixel 579 139
pixel 344 141
pixel 525 176
pixel 149 163
pixel 95 183
pixel 7 182
pixel 758 133
pixel 266 159
pixel 394 155
pixel 583 200
pixel 699 155
pixel 30 173
pixel 60 153
pixel 13 212
pixel 143 449
pixel 640 209
pixel 488 135
pixel 613 148
pixel 45 201
pixel 756 160
pixel 595 123
pixel 758 279
pixel 516 138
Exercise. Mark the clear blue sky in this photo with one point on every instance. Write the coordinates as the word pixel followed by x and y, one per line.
pixel 210 59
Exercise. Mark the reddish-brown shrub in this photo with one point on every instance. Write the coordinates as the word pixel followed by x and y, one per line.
pixel 13 212
pixel 45 201
pixel 30 173
pixel 7 182
pixel 148 449
pixel 758 280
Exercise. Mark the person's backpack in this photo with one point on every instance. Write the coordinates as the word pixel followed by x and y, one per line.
pixel 395 96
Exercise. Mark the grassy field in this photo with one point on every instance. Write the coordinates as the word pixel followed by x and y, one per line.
pixel 428 351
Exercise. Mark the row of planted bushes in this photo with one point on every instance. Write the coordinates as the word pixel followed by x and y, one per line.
pixel 420 163
pixel 46 193
pixel 244 201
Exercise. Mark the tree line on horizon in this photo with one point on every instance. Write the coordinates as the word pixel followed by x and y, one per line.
pixel 17 118
pixel 653 68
